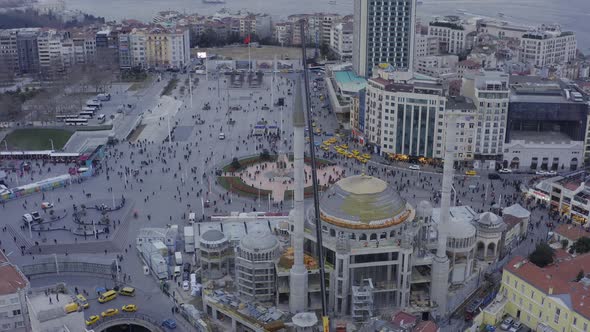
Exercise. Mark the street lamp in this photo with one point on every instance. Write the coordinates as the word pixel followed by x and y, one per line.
pixel 50 140
pixel 6 145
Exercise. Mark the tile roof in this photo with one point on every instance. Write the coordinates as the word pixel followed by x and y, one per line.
pixel 571 232
pixel 426 326
pixel 12 280
pixel 403 319
pixel 557 279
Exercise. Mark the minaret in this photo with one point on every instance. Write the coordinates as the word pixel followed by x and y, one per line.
pixel 440 266
pixel 298 274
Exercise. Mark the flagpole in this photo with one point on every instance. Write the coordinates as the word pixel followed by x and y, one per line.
pixel 249 60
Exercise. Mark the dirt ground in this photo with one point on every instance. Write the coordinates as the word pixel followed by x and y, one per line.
pixel 263 53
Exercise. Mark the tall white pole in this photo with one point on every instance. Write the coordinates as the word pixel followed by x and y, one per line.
pixel 249 57
pixel 30 230
pixel 56 265
pixel 190 88
pixel 268 202
pixel 169 132
pixel 206 69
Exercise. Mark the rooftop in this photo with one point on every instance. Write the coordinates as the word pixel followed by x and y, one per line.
pixel 259 240
pixel 460 103
pixel 556 280
pixel 571 232
pixel 517 211
pixel 349 81
pixel 12 280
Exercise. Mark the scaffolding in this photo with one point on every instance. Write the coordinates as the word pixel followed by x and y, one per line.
pixel 362 301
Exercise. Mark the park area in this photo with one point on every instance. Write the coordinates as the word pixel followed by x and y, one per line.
pixel 37 139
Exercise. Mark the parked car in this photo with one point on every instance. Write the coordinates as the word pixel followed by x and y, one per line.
pixel 505 171
pixel 515 327
pixel 414 167
pixel 507 323
pixel 169 323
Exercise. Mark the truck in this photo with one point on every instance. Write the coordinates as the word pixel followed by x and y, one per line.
pixel 178 258
pixel 189 239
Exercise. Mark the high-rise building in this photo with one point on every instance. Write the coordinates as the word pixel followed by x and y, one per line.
pixel 341 40
pixel 28 54
pixel 383 33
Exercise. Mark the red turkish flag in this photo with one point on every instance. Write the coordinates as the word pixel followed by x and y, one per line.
pixel 247 40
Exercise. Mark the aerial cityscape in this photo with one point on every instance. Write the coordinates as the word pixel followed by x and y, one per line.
pixel 358 165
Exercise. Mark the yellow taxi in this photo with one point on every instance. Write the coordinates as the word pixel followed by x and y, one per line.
pixel 363 160
pixel 82 301
pixel 367 156
pixel 129 308
pixel 471 172
pixel 318 131
pixel 109 312
pixel 313 124
pixel 344 146
pixel 356 152
pixel 92 319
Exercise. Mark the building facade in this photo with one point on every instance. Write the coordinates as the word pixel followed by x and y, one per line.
pixel 550 298
pixel 401 117
pixel 383 33
pixel 546 125
pixel 451 35
pixel 13 290
pixel 547 45
pixel 167 48
pixel 426 46
pixel 490 93
pixel 341 40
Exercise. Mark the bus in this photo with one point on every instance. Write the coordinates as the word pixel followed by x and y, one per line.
pixel 93 103
pixel 62 118
pixel 89 108
pixel 76 122
pixel 86 115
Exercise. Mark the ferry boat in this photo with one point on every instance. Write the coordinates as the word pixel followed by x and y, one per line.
pixel 214 1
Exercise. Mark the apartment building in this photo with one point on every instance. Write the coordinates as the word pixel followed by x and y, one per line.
pixel 167 48
pixel 490 92
pixel 548 45
pixel 341 40
pixel 451 35
pixel 426 46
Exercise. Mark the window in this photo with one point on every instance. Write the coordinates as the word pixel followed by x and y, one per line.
pixel 16 312
pixel 556 317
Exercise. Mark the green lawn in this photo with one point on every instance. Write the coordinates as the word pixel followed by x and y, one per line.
pixel 37 139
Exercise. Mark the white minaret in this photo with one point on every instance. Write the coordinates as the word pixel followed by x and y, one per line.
pixel 440 266
pixel 298 275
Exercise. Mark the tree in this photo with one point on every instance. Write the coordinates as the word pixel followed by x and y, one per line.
pixel 265 155
pixel 543 255
pixel 582 245
pixel 235 164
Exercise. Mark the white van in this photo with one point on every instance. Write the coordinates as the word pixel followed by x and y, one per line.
pixel 221 136
pixel 101 118
pixel 192 217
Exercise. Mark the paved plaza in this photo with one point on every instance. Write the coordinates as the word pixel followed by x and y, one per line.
pixel 163 181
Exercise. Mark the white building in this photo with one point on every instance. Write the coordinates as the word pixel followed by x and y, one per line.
pixel 401 115
pixel 50 50
pixel 436 66
pixel 547 45
pixel 452 35
pixel 13 288
pixel 426 46
pixel 490 93
pixel 383 33
pixel 462 112
pixel 501 29
pixel 341 40
pixel 282 33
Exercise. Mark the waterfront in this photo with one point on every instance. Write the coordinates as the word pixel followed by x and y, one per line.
pixel 571 14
